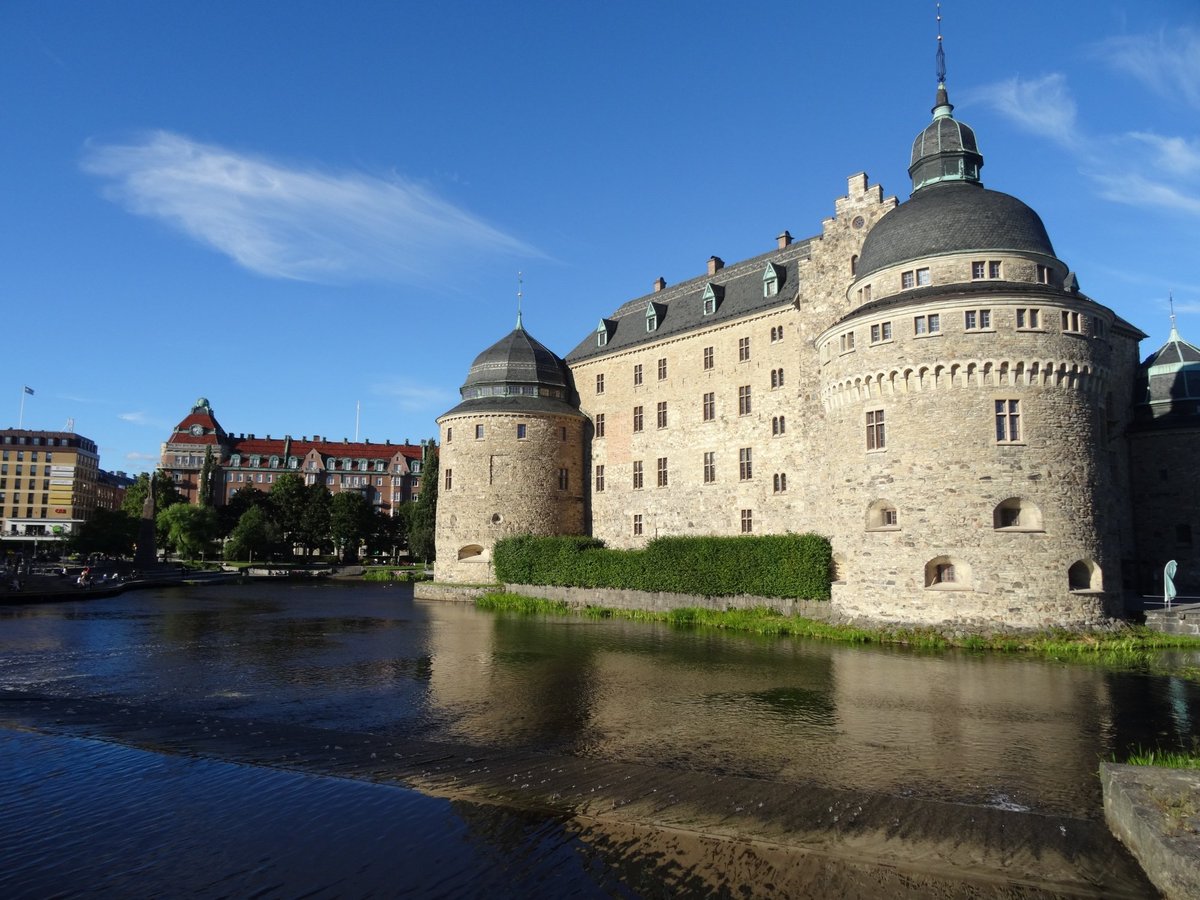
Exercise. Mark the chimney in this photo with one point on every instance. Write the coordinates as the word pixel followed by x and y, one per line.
pixel 660 284
pixel 715 265
pixel 784 239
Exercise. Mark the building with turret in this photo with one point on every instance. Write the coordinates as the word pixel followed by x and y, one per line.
pixel 924 382
pixel 204 460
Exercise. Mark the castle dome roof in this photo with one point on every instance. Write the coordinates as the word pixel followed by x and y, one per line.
pixel 517 374
pixel 951 217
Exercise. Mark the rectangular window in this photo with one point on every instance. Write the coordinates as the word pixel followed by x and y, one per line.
pixel 710 467
pixel 1070 322
pixel 907 280
pixel 1043 274
pixel 662 471
pixel 637 374
pixel 780 482
pixel 449 479
pixel 521 431
pixel 564 479
pixel 876 438
pixel 637 474
pixel 637 523
pixel 708 357
pixel 776 334
pixel 978 270
pixel 710 407
pixel 1028 318
pixel 977 319
pixel 599 479
pixel 743 349
pixel 923 277
pixel 599 425
pixel 994 269
pixel 1008 421
pixel 745 464
pixel 744 400
pixel 662 414
pixel 479 432
pixel 637 418
pixel 747 521
pixel 881 332
pixel 1097 326
pixel 599 382
pixel 847 341
pixel 662 369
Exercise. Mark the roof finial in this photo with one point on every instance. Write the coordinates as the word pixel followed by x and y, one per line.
pixel 941 106
pixel 520 285
pixel 1171 301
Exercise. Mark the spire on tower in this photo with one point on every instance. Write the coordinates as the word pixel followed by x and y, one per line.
pixel 520 284
pixel 941 105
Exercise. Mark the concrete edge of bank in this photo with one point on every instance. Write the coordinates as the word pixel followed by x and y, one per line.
pixel 1155 812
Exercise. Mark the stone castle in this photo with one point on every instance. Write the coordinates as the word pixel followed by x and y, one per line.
pixel 923 382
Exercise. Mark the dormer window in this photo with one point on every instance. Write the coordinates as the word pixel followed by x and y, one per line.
pixel 603 331
pixel 772 276
pixel 274 462
pixel 652 316
pixel 711 298
pixel 255 461
pixel 235 460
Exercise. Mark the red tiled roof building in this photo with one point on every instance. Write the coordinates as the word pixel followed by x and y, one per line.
pixel 385 474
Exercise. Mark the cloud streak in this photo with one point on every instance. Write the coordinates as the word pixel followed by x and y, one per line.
pixel 1136 168
pixel 142 418
pixel 412 397
pixel 287 222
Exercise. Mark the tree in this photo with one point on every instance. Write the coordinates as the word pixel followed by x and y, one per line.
pixel 190 529
pixel 386 536
pixel 108 531
pixel 205 484
pixel 231 513
pixel 350 520
pixel 314 529
pixel 165 494
pixel 289 498
pixel 254 535
pixel 424 520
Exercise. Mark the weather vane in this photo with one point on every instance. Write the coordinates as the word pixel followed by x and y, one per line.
pixel 520 285
pixel 941 54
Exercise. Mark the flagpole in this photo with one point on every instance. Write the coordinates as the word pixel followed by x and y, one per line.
pixel 21 419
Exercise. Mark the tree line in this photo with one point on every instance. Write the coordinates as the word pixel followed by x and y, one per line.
pixel 292 519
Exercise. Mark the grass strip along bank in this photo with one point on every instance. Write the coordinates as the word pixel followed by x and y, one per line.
pixel 1135 647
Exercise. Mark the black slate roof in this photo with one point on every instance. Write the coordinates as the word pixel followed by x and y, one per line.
pixel 949 217
pixel 514 404
pixel 739 290
pixel 517 358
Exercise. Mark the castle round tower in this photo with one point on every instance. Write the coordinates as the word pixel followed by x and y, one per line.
pixel 975 400
pixel 511 458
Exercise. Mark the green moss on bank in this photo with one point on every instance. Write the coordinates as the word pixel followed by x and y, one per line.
pixel 1134 647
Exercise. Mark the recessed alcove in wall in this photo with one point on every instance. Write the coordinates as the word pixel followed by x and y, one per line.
pixel 882 516
pixel 497 518
pixel 947 573
pixel 470 551
pixel 1085 575
pixel 1017 514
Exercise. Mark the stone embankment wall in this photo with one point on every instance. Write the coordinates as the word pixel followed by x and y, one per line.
pixel 614 598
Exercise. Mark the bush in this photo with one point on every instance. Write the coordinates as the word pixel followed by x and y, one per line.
pixel 779 565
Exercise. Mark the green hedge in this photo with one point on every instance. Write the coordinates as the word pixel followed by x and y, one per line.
pixel 777 565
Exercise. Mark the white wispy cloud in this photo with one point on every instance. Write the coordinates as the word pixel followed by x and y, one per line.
pixel 1138 168
pixel 413 397
pixel 1043 106
pixel 142 418
pixel 1166 62
pixel 134 456
pixel 284 221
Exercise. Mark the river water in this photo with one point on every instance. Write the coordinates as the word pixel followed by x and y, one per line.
pixel 108 809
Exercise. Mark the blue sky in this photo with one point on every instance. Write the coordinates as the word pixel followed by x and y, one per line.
pixel 291 208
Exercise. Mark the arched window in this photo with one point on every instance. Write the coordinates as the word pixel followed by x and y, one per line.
pixel 1085 575
pixel 854 264
pixel 1017 514
pixel 947 573
pixel 882 516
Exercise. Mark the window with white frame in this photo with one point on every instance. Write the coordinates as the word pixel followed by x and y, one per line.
pixel 881 332
pixel 744 400
pixel 637 523
pixel 745 464
pixel 600 478
pixel 710 407
pixel 876 434
pixel 637 474
pixel 708 357
pixel 977 320
pixel 747 521
pixel 710 467
pixel 929 324
pixel 743 349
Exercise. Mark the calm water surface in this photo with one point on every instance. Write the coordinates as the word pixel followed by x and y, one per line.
pixel 996 731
